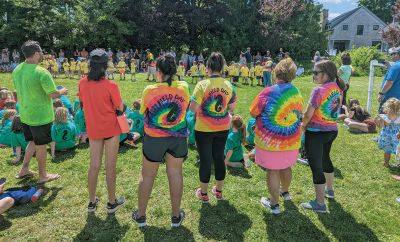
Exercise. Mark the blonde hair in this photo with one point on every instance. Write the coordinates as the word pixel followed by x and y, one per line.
pixel 61 115
pixel 9 113
pixel 285 70
pixel 237 123
pixel 3 94
pixel 392 106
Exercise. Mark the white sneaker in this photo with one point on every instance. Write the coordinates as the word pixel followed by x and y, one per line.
pixel 286 196
pixel 303 161
pixel 398 199
pixel 266 203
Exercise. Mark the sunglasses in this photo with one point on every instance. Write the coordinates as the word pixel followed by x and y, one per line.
pixel 317 72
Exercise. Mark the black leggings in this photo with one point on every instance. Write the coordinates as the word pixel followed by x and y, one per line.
pixel 318 147
pixel 211 147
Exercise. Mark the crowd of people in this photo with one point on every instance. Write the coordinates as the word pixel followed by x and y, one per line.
pixel 169 118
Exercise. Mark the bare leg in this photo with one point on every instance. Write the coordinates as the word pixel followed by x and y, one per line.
pixel 273 184
pixel 359 126
pixel 146 181
pixel 53 149
pixel 175 178
pixel 96 155
pixel 5 204
pixel 17 154
pixel 41 156
pixel 219 185
pixel 386 159
pixel 111 147
pixel 29 152
pixel 320 192
pixel 286 178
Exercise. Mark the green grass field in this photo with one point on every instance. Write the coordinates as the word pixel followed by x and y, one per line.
pixel 364 209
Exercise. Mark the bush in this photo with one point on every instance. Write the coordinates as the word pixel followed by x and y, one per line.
pixel 361 58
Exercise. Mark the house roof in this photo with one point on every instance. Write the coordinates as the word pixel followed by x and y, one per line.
pixel 336 21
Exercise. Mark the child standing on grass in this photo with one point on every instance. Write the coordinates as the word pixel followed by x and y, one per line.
pixel 181 71
pixel 72 68
pixel 133 70
pixel 244 72
pixel 17 138
pixel 194 72
pixel 202 70
pixel 121 66
pixel 110 69
pixel 236 74
pixel 66 67
pixel 63 132
pixel 258 73
pixel 84 67
pixel 233 148
pixel 390 123
pixel 252 73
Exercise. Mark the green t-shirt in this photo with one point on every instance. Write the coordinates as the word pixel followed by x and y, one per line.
pixel 137 122
pixel 190 122
pixel 80 121
pixel 33 84
pixel 234 143
pixel 64 134
pixel 5 132
pixel 18 139
pixel 250 131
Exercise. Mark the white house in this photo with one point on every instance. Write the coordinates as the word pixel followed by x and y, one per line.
pixel 358 27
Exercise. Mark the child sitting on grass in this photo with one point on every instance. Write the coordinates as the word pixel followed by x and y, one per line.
pixel 16 196
pixel 17 138
pixel 66 101
pixel 390 124
pixel 80 124
pixel 5 127
pixel 63 132
pixel 233 148
pixel 251 125
pixel 358 120
pixel 9 104
pixel 136 119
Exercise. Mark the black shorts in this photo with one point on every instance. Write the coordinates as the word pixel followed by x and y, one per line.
pixel 154 148
pixel 40 135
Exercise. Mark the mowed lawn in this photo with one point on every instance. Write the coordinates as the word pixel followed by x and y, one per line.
pixel 364 209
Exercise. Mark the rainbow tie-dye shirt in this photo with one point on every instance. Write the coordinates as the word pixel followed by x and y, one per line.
pixel 165 109
pixel 327 100
pixel 278 111
pixel 213 95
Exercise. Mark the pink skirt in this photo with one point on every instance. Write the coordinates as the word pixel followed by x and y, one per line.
pixel 276 160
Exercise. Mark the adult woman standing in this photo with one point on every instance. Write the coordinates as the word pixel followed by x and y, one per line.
pixel 164 106
pixel 277 110
pixel 101 99
pixel 212 99
pixel 319 124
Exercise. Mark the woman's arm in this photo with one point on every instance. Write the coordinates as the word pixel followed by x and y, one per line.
pixel 194 106
pixel 307 116
pixel 228 156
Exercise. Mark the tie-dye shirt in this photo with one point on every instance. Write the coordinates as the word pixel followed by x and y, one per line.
pixel 278 110
pixel 213 95
pixel 164 108
pixel 327 100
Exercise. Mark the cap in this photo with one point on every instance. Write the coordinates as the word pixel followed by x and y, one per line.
pixel 98 56
pixel 394 50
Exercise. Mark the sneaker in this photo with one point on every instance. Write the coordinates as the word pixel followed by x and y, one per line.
pixel 217 194
pixel 112 208
pixel 398 199
pixel 329 194
pixel 286 196
pixel 177 221
pixel 140 221
pixel 267 203
pixel 93 206
pixel 315 206
pixel 303 161
pixel 202 197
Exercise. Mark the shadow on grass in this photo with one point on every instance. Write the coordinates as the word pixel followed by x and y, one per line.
pixel 343 225
pixel 4 223
pixel 291 225
pixel 223 222
pixel 239 171
pixel 152 233
pixel 30 209
pixel 65 155
pixel 338 173
pixel 97 229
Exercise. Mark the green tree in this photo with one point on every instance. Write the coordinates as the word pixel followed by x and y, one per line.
pixel 381 8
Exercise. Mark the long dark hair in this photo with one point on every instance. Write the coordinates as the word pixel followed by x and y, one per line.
pixel 330 69
pixel 98 64
pixel 167 65
pixel 216 62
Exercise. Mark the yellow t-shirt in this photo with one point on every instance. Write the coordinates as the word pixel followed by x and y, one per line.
pixel 236 71
pixel 251 74
pixel 194 71
pixel 72 66
pixel 202 69
pixel 213 95
pixel 245 71
pixel 84 67
pixel 66 66
pixel 180 71
pixel 121 66
pixel 164 108
pixel 110 66
pixel 133 67
pixel 54 66
pixel 226 68
pixel 258 70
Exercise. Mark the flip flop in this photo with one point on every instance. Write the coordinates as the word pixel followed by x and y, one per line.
pixel 50 178
pixel 30 174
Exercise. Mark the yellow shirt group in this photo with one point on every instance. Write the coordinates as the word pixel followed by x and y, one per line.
pixel 72 65
pixel 121 66
pixel 66 66
pixel 258 70
pixel 180 71
pixel 194 70
pixel 245 71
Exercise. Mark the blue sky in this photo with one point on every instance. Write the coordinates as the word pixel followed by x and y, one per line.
pixel 337 7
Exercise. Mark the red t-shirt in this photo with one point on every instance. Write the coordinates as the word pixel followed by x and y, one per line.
pixel 100 101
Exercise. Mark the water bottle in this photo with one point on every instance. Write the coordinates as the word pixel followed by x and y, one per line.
pixel 37 195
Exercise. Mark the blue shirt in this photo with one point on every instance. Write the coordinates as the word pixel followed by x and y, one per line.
pixel 66 102
pixel 393 74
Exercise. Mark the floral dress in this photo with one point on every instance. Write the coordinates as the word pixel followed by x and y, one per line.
pixel 388 141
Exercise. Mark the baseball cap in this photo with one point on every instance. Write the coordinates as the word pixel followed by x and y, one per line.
pixel 394 50
pixel 98 56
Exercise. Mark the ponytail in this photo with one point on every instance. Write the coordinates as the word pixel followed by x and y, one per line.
pixel 340 83
pixel 167 66
pixel 243 133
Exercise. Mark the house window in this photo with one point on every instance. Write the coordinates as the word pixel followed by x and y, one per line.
pixel 345 27
pixel 375 27
pixel 360 29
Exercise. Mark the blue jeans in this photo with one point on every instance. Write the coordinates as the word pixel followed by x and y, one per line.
pixel 267 79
